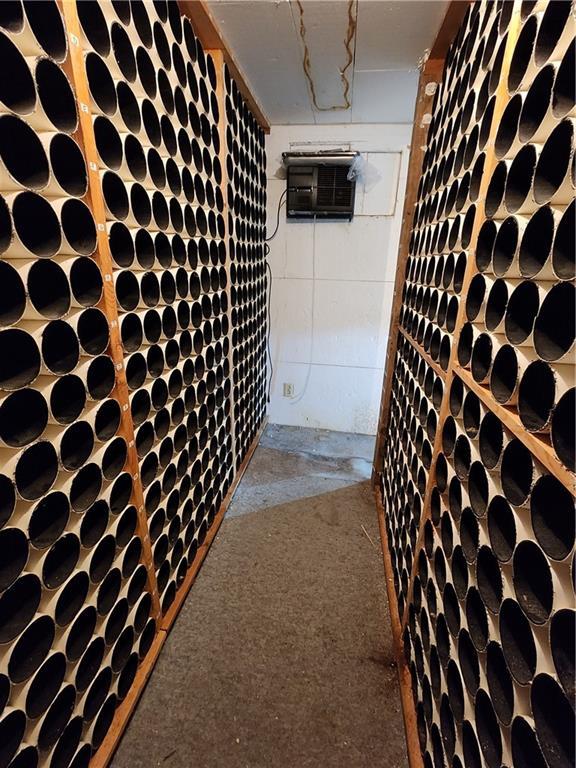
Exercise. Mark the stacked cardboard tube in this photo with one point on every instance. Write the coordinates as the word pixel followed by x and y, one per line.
pixel 76 613
pixel 246 195
pixel 487 606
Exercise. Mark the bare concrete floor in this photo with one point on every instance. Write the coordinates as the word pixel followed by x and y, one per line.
pixel 282 654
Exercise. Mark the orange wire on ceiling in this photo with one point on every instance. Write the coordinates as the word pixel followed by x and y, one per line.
pixel 306 64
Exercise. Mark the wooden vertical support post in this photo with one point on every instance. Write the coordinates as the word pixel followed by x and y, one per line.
pixel 489 165
pixel 95 199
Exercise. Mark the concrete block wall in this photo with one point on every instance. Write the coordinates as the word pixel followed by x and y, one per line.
pixel 333 282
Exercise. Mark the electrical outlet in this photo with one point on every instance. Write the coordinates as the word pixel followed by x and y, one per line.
pixel 288 390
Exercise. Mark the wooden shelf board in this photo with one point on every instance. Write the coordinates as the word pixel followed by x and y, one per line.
pixel 539 445
pixel 423 354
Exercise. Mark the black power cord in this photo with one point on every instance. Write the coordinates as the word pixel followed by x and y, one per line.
pixel 269 268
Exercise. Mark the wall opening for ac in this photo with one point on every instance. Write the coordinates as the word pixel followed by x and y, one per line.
pixel 318 185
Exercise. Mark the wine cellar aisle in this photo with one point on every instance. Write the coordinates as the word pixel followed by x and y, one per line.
pixel 132 347
pixel 475 460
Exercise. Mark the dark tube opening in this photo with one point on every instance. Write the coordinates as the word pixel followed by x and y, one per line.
pixel 45 685
pixel 115 195
pixel 47 27
pixel 76 446
pixel 495 193
pixel 477 619
pixel 520 176
pixel 93 331
pixel 508 128
pixel 36 224
pixel 536 103
pixel 551 507
pixel 94 523
pixel 121 492
pixel 23 417
pixel 562 432
pixel 455 691
pixel 131 332
pixel 18 604
pixel 536 395
pixel 485 245
pixel 12 729
pixel 102 558
pixel 533 582
pixel 108 590
pixel 67 743
pixel 85 488
pixel 555 18
pixel 94 27
pixel 469 664
pixel 489 735
pixel 554 161
pixel 129 108
pixel 49 289
pixel 127 290
pixel 135 158
pixel 553 336
pixel 123 52
pixel 491 440
pixel 60 561
pixel 517 642
pixel 31 649
pixel 499 683
pixel 101 377
pixel 108 141
pixel 526 752
pixel 564 94
pixel 86 282
pixel 114 458
pixel 12 16
pixel 562 644
pixel 505 246
pixel 17 92
pixel 504 375
pixel 564 249
pixel 56 718
pixel 36 470
pixel 554 718
pixel 56 95
pixel 517 472
pixel 481 360
pixel 101 84
pixel 121 244
pixel 521 312
pixel 81 633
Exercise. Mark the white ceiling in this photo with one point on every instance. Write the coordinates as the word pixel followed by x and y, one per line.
pixel 390 38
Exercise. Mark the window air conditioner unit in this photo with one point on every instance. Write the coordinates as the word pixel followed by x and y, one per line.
pixel 318 186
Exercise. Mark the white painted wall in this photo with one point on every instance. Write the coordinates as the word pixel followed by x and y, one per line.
pixel 333 283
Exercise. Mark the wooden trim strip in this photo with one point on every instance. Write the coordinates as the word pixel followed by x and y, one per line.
pixel 404 677
pixel 206 28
